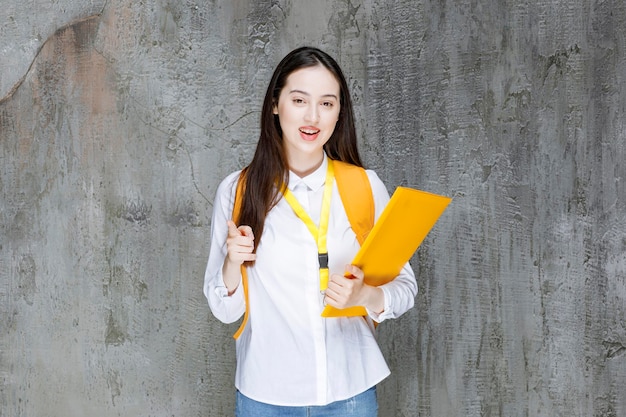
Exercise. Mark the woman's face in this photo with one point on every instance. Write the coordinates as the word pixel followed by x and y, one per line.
pixel 308 110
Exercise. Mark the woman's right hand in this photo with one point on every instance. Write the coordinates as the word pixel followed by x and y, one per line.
pixel 239 247
pixel 239 244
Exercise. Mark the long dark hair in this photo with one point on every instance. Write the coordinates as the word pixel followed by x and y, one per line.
pixel 268 173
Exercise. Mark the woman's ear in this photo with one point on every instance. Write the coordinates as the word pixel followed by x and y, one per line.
pixel 275 108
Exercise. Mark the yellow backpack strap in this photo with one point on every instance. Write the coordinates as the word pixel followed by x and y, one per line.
pixel 357 198
pixel 244 272
pixel 244 282
pixel 356 195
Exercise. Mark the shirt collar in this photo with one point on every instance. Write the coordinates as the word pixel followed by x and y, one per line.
pixel 314 181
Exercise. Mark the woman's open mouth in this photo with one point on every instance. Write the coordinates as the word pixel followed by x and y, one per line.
pixel 309 133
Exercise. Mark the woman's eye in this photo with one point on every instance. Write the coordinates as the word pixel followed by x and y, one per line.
pixel 298 101
pixel 327 104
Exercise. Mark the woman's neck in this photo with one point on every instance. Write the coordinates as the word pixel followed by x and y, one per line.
pixel 305 166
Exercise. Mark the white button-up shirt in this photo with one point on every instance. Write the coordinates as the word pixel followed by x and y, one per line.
pixel 288 354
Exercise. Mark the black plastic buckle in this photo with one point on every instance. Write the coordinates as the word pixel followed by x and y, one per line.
pixel 323 260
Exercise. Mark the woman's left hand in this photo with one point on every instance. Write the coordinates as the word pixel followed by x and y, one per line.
pixel 350 291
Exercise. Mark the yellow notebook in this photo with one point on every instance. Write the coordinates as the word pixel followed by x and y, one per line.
pixel 398 232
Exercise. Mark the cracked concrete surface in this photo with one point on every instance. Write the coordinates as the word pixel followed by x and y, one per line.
pixel 27 26
pixel 118 119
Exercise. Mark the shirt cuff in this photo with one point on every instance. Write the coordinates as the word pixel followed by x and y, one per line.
pixel 387 311
pixel 222 292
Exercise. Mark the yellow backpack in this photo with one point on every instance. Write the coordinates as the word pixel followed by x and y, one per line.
pixel 353 185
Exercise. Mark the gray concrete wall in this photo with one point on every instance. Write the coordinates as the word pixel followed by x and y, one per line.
pixel 119 118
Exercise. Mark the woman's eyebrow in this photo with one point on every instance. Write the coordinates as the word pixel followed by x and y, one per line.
pixel 308 95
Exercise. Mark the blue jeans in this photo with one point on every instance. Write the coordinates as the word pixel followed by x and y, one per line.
pixel 362 405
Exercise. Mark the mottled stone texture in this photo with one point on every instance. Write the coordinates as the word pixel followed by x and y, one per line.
pixel 119 118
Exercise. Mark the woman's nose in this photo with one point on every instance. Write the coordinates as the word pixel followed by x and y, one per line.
pixel 312 114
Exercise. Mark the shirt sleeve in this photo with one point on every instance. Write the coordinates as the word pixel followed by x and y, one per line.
pixel 401 291
pixel 226 308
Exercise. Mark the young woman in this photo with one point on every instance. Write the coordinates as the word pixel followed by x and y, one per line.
pixel 290 360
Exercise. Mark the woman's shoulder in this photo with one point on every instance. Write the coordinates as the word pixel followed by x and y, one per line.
pixel 376 183
pixel 372 175
pixel 230 180
pixel 227 187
